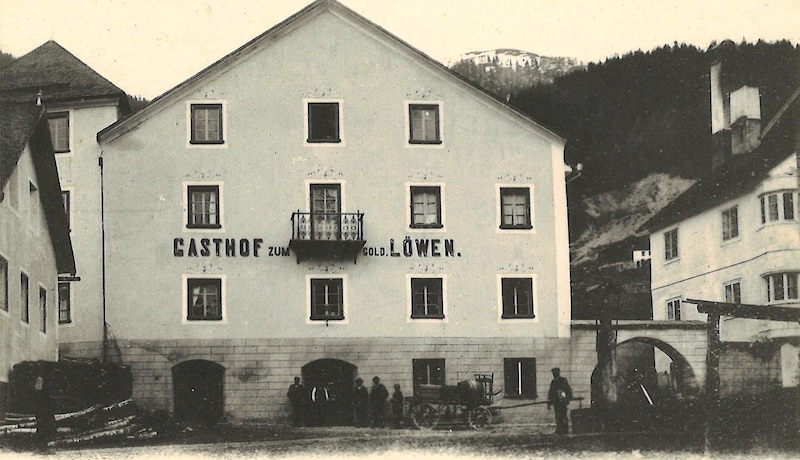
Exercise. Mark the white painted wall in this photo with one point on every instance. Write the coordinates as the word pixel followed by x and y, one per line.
pixel 264 170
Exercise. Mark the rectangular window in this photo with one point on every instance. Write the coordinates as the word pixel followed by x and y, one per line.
pixel 24 298
pixel 327 299
pixel 65 197
pixel 772 207
pixel 323 122
pixel 517 297
pixel 515 208
pixel 427 298
pixel 64 303
pixel 424 124
pixel 205 299
pixel 788 206
pixel 59 131
pixel 203 206
pixel 674 309
pixel 3 284
pixel 206 124
pixel 43 309
pixel 782 286
pixel 426 207
pixel 777 206
pixel 428 372
pixel 733 292
pixel 671 244
pixel 520 377
pixel 730 223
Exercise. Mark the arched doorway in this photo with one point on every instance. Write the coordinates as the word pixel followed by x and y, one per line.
pixel 198 391
pixel 651 387
pixel 332 401
pixel 646 371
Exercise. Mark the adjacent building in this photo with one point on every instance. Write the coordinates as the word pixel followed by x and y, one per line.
pixel 328 202
pixel 78 102
pixel 734 237
pixel 35 246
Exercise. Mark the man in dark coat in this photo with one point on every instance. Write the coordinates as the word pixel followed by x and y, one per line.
pixel 360 404
pixel 397 406
pixel 45 418
pixel 559 396
pixel 377 402
pixel 297 399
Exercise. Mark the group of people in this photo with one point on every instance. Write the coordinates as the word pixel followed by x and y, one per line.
pixel 371 404
pixel 369 407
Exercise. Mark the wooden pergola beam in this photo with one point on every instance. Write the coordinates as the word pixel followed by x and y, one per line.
pixel 741 310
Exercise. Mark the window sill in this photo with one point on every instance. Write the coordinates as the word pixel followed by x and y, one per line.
pixel 672 261
pixel 730 241
pixel 427 317
pixel 327 318
pixel 517 317
pixel 203 320
pixel 323 141
pixel 423 227
pixel 516 227
pixel 206 142
pixel 204 227
pixel 410 142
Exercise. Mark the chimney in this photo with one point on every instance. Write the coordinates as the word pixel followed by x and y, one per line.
pixel 720 118
pixel 745 116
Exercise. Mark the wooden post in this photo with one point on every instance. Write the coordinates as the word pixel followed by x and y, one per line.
pixel 712 400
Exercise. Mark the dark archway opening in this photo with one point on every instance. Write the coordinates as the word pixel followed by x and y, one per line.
pixel 331 403
pixel 198 392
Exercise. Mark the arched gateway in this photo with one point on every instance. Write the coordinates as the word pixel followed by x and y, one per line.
pixel 330 385
pixel 645 371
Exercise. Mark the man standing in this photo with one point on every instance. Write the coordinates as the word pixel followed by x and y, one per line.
pixel 297 399
pixel 559 396
pixel 360 401
pixel 377 401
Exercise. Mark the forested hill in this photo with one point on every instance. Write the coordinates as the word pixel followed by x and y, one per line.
pixel 648 112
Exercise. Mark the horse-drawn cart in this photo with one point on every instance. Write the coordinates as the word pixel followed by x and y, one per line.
pixel 469 398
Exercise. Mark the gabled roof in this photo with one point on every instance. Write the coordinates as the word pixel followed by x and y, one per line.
pixel 740 174
pixel 280 30
pixel 21 125
pixel 59 75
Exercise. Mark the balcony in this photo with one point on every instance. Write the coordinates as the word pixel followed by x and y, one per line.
pixel 327 235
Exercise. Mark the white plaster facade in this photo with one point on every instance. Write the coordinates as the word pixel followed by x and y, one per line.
pixel 263 171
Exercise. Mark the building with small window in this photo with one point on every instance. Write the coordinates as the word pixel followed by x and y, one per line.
pixel 328 202
pixel 35 246
pixel 78 102
pixel 734 237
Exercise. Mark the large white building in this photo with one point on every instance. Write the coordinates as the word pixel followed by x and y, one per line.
pixel 734 237
pixel 328 202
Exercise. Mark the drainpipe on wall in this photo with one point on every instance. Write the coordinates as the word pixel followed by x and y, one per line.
pixel 103 258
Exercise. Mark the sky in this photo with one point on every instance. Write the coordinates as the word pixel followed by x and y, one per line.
pixel 146 47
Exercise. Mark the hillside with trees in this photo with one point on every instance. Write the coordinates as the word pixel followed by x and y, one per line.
pixel 641 126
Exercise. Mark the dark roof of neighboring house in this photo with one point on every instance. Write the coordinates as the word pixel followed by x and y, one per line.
pixel 740 174
pixel 21 125
pixel 59 75
pixel 279 30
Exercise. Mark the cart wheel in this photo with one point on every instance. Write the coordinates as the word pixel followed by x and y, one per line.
pixel 424 416
pixel 480 418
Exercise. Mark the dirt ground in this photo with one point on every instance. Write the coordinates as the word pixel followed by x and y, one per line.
pixel 456 441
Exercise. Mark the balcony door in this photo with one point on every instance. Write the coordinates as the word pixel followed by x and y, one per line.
pixel 326 208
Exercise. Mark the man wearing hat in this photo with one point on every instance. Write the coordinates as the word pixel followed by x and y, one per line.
pixel 559 396
pixel 360 400
pixel 377 402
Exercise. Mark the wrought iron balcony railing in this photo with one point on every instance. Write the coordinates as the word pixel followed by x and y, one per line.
pixel 327 235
